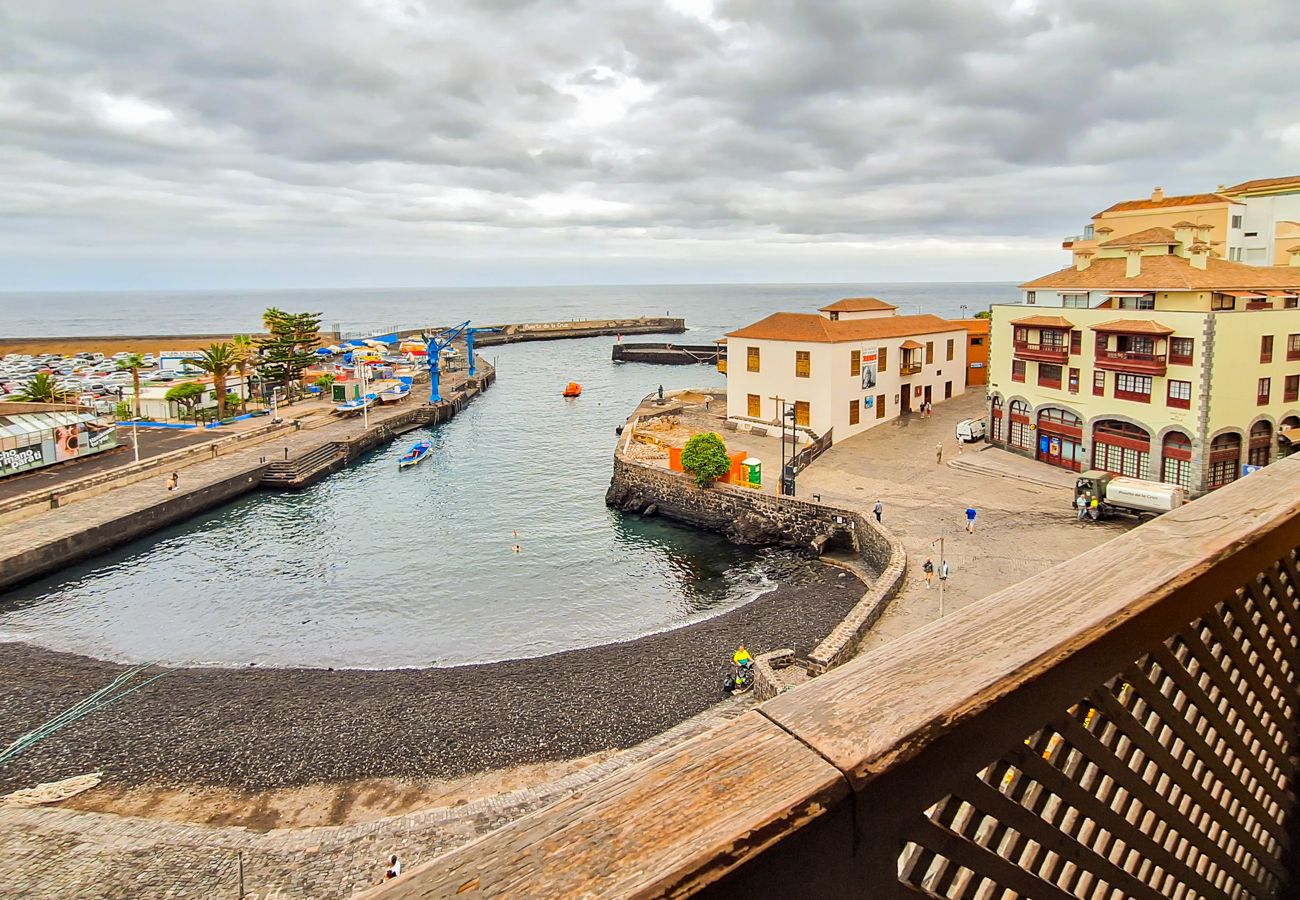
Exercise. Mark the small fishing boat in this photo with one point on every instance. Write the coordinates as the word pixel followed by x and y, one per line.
pixel 572 389
pixel 415 455
pixel 395 393
pixel 353 407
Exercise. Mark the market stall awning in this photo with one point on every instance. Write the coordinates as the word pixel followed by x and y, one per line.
pixel 1290 434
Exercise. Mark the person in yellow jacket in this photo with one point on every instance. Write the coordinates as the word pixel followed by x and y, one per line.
pixel 741 657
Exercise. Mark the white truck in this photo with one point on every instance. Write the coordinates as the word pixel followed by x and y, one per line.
pixel 1118 493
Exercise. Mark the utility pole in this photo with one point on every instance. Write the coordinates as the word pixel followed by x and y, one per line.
pixel 365 408
pixel 135 438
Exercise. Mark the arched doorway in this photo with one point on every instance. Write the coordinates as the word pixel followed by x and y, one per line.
pixel 1225 460
pixel 1260 449
pixel 1176 459
pixel 1060 439
pixel 997 432
pixel 1019 435
pixel 1288 436
pixel 1121 447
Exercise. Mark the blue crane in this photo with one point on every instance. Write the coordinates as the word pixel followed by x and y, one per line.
pixel 435 344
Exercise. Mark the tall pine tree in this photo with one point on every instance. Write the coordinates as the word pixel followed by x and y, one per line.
pixel 289 346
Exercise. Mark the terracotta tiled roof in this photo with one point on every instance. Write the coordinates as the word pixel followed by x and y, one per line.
pixel 1173 273
pixel 1145 238
pixel 1134 326
pixel 1260 184
pixel 857 304
pixel 1148 203
pixel 1043 322
pixel 912 345
pixel 810 327
pixel 974 326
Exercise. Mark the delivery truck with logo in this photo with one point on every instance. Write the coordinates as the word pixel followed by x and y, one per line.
pixel 1120 494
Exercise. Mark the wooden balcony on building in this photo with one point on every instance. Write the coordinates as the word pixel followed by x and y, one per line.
pixel 1122 724
pixel 1057 354
pixel 909 369
pixel 1130 361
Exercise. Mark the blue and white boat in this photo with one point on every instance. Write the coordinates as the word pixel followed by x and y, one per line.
pixel 415 455
pixel 353 407
pixel 395 393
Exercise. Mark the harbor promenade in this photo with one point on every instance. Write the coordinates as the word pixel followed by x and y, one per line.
pixel 55 537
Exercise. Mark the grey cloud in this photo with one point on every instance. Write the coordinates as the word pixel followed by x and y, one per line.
pixel 626 126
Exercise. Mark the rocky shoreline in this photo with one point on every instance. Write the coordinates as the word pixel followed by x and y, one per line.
pixel 259 729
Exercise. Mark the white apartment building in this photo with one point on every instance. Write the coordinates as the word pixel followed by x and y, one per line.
pixel 853 365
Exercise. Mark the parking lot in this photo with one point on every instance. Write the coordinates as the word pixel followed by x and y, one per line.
pixel 90 379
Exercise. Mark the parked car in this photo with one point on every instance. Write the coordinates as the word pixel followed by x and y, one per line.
pixel 969 430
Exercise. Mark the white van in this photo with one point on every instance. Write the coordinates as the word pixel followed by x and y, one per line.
pixel 970 430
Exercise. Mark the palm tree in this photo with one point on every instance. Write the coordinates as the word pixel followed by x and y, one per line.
pixel 43 388
pixel 218 360
pixel 133 364
pixel 245 351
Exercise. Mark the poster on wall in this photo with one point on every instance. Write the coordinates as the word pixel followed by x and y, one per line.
pixel 20 459
pixel 67 442
pixel 868 369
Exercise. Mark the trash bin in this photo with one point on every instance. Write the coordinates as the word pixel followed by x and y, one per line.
pixel 754 470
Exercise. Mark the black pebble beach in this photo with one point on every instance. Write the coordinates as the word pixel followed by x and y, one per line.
pixel 263 728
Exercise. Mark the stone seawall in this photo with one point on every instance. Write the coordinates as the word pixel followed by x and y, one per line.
pixel 169 509
pixel 747 516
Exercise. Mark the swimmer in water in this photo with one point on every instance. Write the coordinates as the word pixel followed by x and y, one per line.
pixel 516 548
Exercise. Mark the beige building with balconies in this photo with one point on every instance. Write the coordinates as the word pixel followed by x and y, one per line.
pixel 1151 358
pixel 853 365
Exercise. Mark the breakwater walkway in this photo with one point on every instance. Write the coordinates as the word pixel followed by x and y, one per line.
pixel 290 458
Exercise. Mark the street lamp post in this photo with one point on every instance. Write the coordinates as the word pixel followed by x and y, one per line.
pixel 365 408
pixel 963 310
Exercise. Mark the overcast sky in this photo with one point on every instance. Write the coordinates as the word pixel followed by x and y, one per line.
pixel 223 143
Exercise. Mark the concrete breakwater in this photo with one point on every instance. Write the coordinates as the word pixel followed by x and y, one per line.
pixel 670 354
pixel 751 517
pixel 68 534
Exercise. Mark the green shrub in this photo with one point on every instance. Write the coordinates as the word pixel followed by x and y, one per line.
pixel 705 457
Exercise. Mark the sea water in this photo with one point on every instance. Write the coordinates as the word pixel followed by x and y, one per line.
pixel 381 567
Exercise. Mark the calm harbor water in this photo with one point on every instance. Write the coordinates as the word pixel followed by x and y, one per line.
pixel 377 568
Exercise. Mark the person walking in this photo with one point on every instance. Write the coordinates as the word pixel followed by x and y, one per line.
pixel 944 571
pixel 928 569
pixel 1081 503
pixel 970 520
pixel 879 510
pixel 938 453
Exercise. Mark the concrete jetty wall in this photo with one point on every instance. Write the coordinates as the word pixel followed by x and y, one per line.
pixel 669 354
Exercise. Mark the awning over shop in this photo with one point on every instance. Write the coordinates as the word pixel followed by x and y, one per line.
pixel 1291 435
pixel 1244 295
pixel 1129 294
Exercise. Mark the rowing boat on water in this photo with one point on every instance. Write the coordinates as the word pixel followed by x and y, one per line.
pixel 416 454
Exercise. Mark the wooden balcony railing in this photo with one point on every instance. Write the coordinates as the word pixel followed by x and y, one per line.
pixel 909 369
pixel 1121 725
pixel 1049 353
pixel 1131 361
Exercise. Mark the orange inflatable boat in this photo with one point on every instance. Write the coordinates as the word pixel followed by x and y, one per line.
pixel 573 389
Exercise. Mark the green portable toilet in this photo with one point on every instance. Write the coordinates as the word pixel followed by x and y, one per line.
pixel 755 469
pixel 340 392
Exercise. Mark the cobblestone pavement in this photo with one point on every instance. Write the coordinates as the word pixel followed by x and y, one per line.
pixel 1024 522
pixel 55 853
